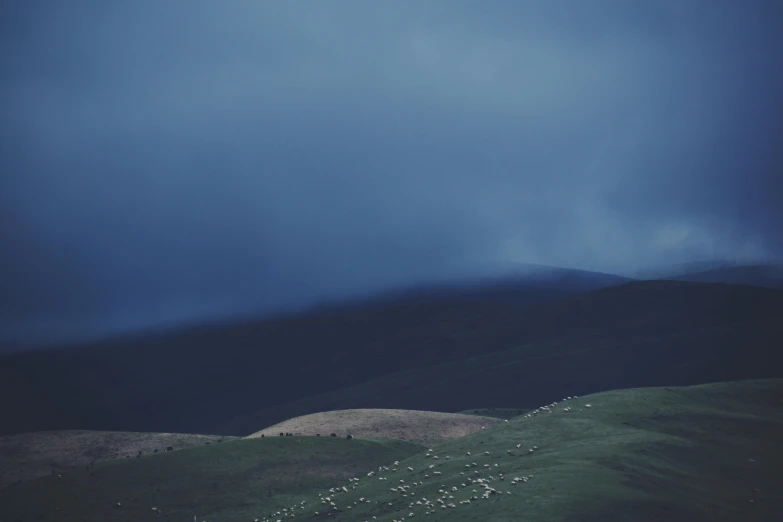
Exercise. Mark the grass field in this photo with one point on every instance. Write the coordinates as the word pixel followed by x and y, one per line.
pixel 711 453
pixel 237 480
pixel 30 455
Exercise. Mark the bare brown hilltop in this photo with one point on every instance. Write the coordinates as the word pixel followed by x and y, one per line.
pixel 410 425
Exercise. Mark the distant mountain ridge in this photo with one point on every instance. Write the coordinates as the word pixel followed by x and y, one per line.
pixel 521 283
pixel 518 284
pixel 769 276
pixel 681 269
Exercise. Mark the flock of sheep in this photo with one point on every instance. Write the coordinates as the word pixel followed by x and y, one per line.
pixel 480 481
pixel 474 482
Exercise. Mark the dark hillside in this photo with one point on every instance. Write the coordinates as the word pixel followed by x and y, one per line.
pixel 519 378
pixel 201 380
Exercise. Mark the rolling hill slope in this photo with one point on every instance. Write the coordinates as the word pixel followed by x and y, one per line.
pixel 30 455
pixel 213 380
pixel 236 480
pixel 708 453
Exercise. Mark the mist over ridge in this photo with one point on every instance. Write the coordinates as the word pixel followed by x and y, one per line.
pixel 183 162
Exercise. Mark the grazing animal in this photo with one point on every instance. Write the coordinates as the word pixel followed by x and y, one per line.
pixel 333 435
pixel 349 437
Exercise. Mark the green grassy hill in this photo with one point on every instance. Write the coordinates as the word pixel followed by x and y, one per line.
pixel 701 453
pixel 25 456
pixel 236 480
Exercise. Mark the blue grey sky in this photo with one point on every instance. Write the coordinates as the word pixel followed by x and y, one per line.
pixel 165 161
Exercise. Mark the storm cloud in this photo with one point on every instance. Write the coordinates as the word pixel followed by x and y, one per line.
pixel 165 162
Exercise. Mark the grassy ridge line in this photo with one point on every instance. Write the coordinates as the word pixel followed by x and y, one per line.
pixel 706 453
pixel 701 453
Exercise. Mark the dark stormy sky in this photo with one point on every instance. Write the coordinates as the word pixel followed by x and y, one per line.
pixel 167 161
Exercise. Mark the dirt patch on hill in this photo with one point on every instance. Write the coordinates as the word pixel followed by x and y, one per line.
pixel 411 425
pixel 29 455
